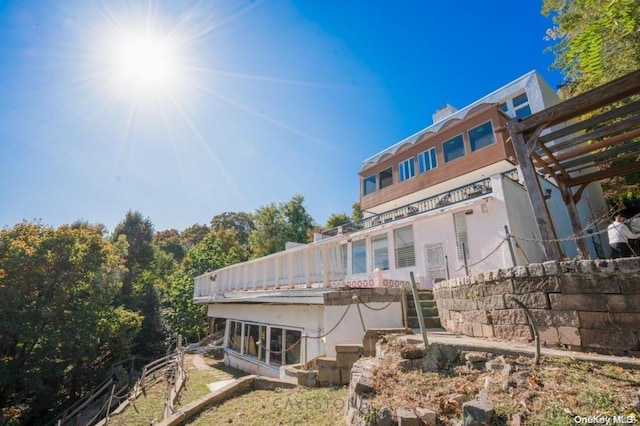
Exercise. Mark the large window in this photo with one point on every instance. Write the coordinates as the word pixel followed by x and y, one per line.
pixel 404 248
pixel 359 257
pixel 427 160
pixel 481 136
pixel 385 177
pixel 244 338
pixel 406 169
pixel 453 148
pixel 380 250
pixel 369 185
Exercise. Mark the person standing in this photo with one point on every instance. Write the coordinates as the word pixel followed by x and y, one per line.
pixel 619 235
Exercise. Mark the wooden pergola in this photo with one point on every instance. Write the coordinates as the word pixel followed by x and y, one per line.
pixel 579 141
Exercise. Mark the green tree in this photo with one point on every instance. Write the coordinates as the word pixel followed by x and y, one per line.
pixel 241 222
pixel 337 219
pixel 169 241
pixel 59 327
pixel 596 41
pixel 275 225
pixel 193 235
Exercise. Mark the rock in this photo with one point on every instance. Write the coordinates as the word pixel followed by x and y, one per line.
pixel 406 417
pixel 507 369
pixel 364 384
pixel 476 356
pixel 508 384
pixel 384 417
pixel 493 365
pixel 460 398
pixel 521 377
pixel 478 412
pixel 428 417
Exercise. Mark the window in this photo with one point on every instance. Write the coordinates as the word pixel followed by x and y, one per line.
pixel 235 336
pixel 427 160
pixel 252 335
pixel 481 136
pixel 369 185
pixel 292 343
pixel 406 169
pixel 359 257
pixel 404 250
pixel 521 106
pixel 380 252
pixel 460 227
pixel 386 177
pixel 276 339
pixel 453 148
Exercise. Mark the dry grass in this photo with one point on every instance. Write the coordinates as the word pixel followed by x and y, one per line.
pixel 552 393
pixel 318 407
pixel 145 409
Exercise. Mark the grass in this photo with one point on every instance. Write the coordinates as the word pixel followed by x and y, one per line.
pixel 320 406
pixel 196 386
pixel 145 409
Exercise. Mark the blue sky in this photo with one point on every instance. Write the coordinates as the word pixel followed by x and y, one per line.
pixel 262 100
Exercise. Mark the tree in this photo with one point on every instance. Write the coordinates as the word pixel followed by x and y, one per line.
pixel 59 327
pixel 193 235
pixel 597 41
pixel 356 212
pixel 337 219
pixel 169 241
pixel 241 222
pixel 275 225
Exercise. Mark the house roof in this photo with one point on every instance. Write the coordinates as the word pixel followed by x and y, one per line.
pixel 497 96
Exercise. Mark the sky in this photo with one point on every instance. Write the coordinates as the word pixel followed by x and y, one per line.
pixel 184 110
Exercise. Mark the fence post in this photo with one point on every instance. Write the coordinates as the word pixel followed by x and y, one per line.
pixel 113 389
pixel 305 350
pixel 416 301
pixel 259 356
pixel 464 258
pixel 511 252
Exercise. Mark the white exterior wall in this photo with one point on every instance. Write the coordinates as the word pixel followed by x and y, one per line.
pixel 306 318
pixel 350 329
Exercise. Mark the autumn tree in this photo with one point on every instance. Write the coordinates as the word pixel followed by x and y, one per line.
pixel 240 222
pixel 59 326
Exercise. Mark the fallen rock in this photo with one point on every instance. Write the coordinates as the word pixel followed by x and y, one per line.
pixel 478 412
pixel 427 416
pixel 406 417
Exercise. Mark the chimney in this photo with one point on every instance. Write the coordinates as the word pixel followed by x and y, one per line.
pixel 443 112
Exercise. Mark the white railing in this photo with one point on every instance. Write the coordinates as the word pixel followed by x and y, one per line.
pixel 313 265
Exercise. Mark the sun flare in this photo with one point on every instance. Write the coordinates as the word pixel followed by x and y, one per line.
pixel 144 62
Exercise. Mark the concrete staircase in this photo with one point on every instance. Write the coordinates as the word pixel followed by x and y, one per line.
pixel 428 308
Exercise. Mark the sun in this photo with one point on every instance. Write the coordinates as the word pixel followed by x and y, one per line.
pixel 144 61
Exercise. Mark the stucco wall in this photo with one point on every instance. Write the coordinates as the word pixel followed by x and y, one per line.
pixel 584 305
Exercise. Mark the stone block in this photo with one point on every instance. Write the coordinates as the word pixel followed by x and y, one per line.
pixel 627 265
pixel 478 316
pixel 487 277
pixel 548 317
pixel 466 329
pixel 567 266
pixel 369 346
pixel 346 359
pixel 491 302
pixel 550 267
pixel 345 375
pixel 605 266
pixel 349 348
pixel 406 417
pixel 520 333
pixel 364 384
pixel 509 316
pixel 569 336
pixel 610 320
pixel 585 302
pixel 609 339
pixel 592 283
pixel 629 283
pixel 536 285
pixel 585 266
pixel 487 330
pixel 530 300
pixel 476 330
pixel 623 302
pixel 328 376
pixel 536 269
pixel 427 416
pixel 548 335
pixel 496 288
pixel 477 412
pixel 520 271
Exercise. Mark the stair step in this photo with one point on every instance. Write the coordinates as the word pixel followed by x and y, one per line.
pixel 429 322
pixel 426 312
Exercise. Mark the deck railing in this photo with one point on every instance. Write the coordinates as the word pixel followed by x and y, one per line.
pixel 322 263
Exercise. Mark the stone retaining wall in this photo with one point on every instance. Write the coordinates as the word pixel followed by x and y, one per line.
pixel 589 305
